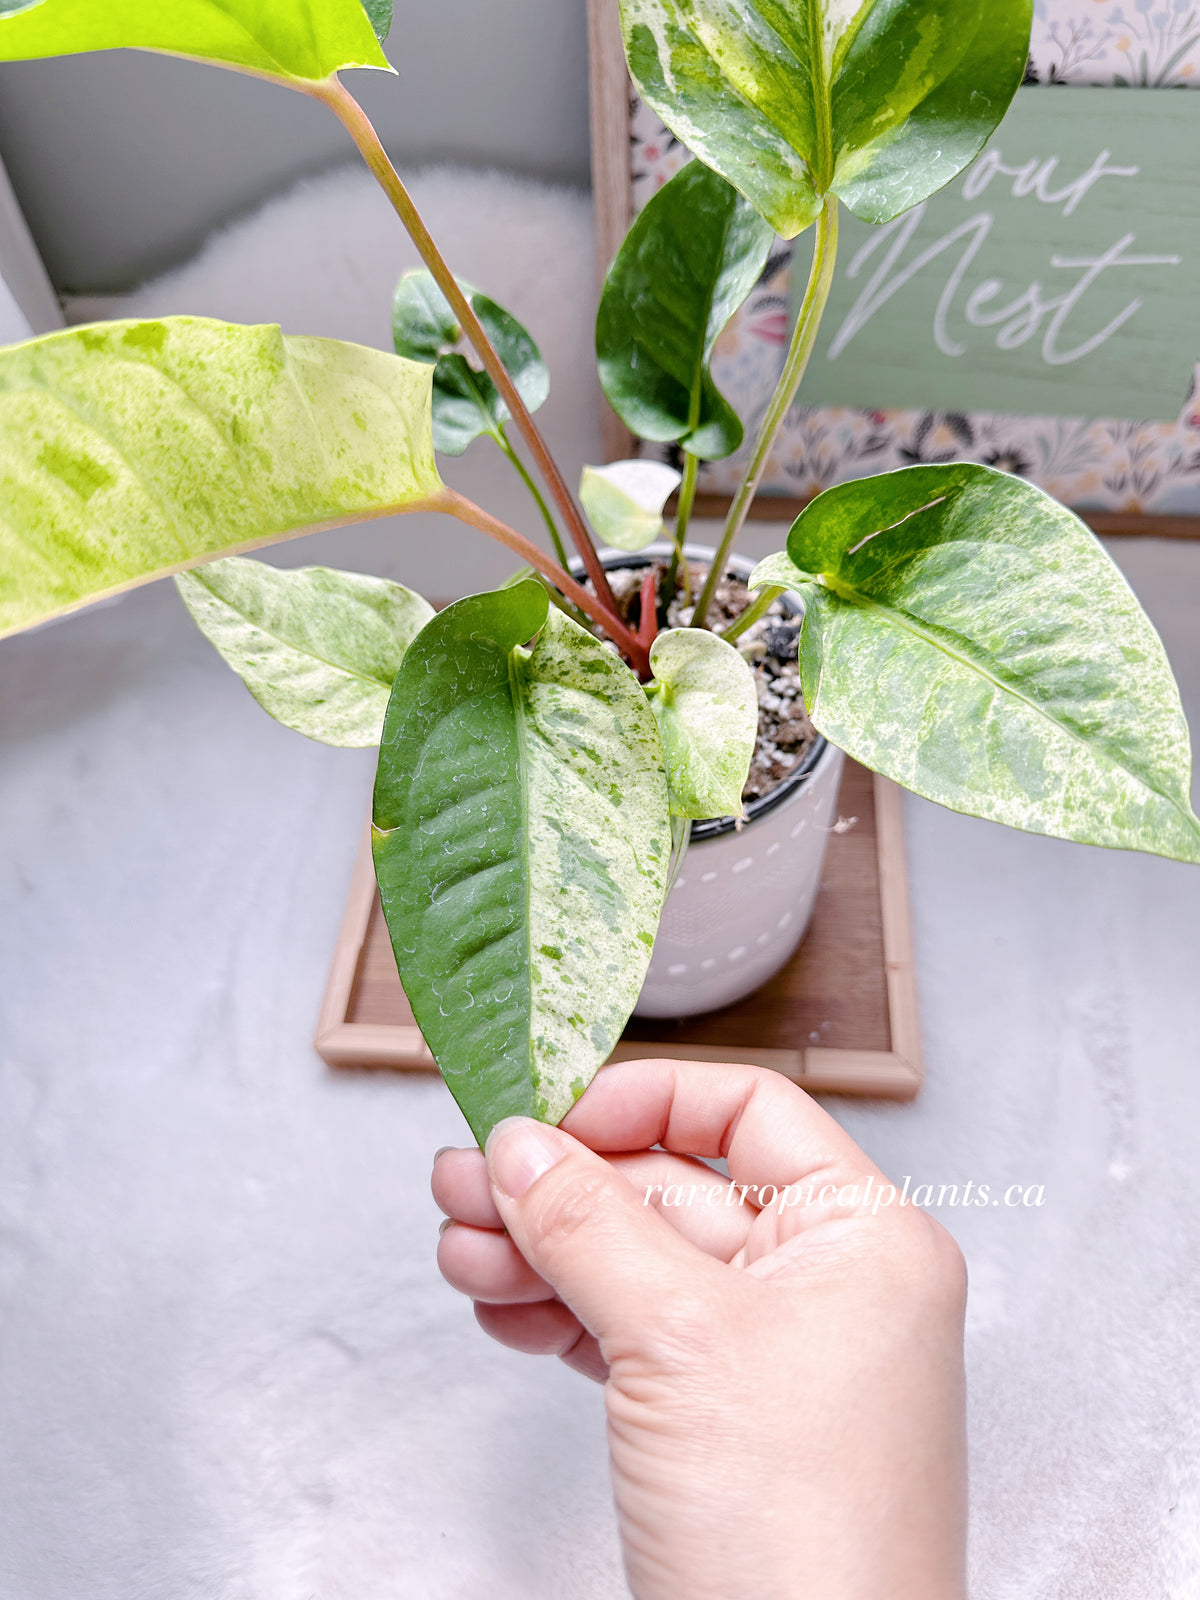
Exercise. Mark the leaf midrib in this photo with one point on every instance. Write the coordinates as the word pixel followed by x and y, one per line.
pixel 694 755
pixel 240 26
pixel 822 102
pixel 269 633
pixel 845 592
pixel 516 689
pixel 491 426
pixel 732 88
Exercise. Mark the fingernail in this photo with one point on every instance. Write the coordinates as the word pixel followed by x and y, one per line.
pixel 445 1150
pixel 518 1151
pixel 443 1225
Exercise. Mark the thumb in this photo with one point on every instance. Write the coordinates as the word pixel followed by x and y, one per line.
pixel 619 1266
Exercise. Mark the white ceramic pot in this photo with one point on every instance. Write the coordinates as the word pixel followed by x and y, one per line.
pixel 744 896
pixel 745 893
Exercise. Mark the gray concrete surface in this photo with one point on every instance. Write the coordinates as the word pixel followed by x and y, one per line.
pixel 228 1369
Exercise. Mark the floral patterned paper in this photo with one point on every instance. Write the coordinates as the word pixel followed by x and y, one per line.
pixel 1099 463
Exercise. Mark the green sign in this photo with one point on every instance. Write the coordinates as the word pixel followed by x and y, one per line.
pixel 1059 274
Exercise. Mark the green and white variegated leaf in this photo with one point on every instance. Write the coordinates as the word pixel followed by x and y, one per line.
pixel 131 450
pixel 624 501
pixel 318 649
pixel 522 839
pixel 704 697
pixel 466 403
pixel 880 102
pixel 693 254
pixel 290 40
pixel 968 636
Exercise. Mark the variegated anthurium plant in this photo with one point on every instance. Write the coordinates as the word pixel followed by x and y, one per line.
pixel 540 757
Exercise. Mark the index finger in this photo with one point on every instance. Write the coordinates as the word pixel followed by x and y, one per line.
pixel 765 1126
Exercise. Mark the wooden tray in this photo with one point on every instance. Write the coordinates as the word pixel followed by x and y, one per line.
pixel 840 1018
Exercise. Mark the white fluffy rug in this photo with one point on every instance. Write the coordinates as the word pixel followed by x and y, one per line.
pixel 270 1396
pixel 324 259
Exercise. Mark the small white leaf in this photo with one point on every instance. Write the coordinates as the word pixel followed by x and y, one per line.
pixel 706 703
pixel 624 501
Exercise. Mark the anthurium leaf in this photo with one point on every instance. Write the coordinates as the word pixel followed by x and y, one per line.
pixel 379 14
pixel 693 254
pixel 968 636
pixel 316 648
pixel 131 450
pixel 704 697
pixel 522 837
pixel 624 501
pixel 466 405
pixel 466 402
pixel 880 102
pixel 291 40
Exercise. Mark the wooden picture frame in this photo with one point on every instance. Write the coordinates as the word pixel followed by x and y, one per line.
pixel 612 99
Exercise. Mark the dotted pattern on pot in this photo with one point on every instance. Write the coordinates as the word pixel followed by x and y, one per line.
pixel 742 902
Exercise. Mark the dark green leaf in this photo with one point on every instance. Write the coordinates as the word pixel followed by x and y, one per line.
pixel 968 636
pixel 466 405
pixel 465 401
pixel 131 450
pixel 292 40
pixel 379 14
pixel 880 102
pixel 522 836
pixel 705 699
pixel 317 649
pixel 693 254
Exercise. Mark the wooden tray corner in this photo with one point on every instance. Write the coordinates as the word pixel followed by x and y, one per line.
pixel 840 1018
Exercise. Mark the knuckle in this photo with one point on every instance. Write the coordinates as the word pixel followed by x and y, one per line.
pixel 949 1265
pixel 574 1201
pixel 933 1264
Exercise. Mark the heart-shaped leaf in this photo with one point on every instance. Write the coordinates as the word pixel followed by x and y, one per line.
pixel 466 402
pixel 316 648
pixel 624 501
pixel 705 699
pixel 290 40
pixel 693 254
pixel 131 450
pixel 880 102
pixel 968 636
pixel 522 836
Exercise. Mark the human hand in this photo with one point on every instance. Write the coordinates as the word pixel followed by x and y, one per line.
pixel 783 1384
